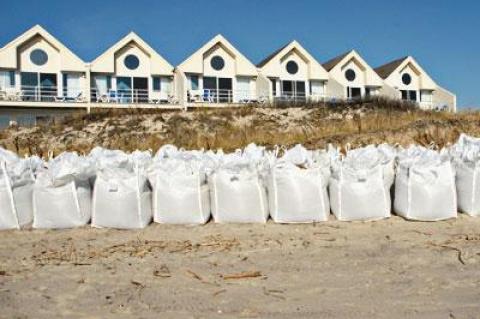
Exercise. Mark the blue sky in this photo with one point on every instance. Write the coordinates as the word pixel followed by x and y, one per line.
pixel 443 35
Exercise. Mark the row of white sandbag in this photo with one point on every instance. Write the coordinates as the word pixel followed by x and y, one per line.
pixel 245 186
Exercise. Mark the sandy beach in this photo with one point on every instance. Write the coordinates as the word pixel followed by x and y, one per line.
pixel 385 269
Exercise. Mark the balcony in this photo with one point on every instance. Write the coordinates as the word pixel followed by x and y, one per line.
pixel 211 96
pixel 45 96
pixel 131 97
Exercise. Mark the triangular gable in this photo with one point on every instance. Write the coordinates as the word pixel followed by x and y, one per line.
pixel 338 63
pixel 105 63
pixel 426 81
pixel 8 54
pixel 194 63
pixel 269 66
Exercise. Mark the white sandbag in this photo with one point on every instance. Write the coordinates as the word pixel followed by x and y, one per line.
pixel 425 185
pixel 62 193
pixel 16 190
pixel 297 186
pixel 180 190
pixel 466 159
pixel 121 195
pixel 237 189
pixel 360 184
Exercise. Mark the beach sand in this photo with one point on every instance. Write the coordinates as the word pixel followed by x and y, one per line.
pixel 386 269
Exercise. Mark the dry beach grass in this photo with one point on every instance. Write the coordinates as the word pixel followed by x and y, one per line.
pixel 312 125
pixel 386 269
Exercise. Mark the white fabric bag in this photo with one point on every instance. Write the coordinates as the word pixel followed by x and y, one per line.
pixel 237 188
pixel 62 193
pixel 425 186
pixel 466 158
pixel 121 195
pixel 297 186
pixel 180 190
pixel 360 184
pixel 16 190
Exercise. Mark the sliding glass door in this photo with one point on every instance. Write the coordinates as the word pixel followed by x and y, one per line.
pixel 38 86
pixel 29 83
pixel 48 86
pixel 294 90
pixel 132 90
pixel 217 90
pixel 140 90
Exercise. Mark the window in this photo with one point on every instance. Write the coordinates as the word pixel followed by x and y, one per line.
pixel 317 88
pixel 38 57
pixel 354 93
pixel 350 75
pixel 406 79
pixel 7 79
pixel 194 82
pixel 166 85
pixel 131 62
pixel 292 67
pixel 426 96
pixel 157 87
pixel 368 92
pixel 409 95
pixel 287 88
pixel 274 87
pixel 413 95
pixel 217 63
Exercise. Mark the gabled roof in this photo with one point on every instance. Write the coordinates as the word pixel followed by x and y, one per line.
pixel 194 63
pixel 316 70
pixel 385 70
pixel 272 55
pixel 330 64
pixel 334 67
pixel 8 53
pixel 106 61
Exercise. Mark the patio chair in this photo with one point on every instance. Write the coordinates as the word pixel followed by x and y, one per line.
pixel 12 94
pixel 101 97
pixel 208 96
pixel 113 96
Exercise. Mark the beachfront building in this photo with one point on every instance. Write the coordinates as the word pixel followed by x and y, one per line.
pixel 36 69
pixel 413 84
pixel 357 78
pixel 217 73
pixel 131 72
pixel 294 75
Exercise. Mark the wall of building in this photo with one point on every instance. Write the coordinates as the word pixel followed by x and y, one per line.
pixel 442 97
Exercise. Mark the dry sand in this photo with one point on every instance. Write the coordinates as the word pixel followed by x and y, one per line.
pixel 386 269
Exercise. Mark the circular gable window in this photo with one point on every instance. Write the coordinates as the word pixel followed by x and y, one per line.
pixel 38 57
pixel 350 75
pixel 292 67
pixel 217 63
pixel 131 62
pixel 406 79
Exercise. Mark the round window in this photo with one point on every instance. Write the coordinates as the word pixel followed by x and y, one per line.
pixel 217 63
pixel 406 79
pixel 131 62
pixel 350 75
pixel 292 67
pixel 38 57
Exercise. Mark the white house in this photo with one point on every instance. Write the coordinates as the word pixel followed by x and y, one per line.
pixel 37 68
pixel 357 78
pixel 131 72
pixel 412 83
pixel 216 73
pixel 294 74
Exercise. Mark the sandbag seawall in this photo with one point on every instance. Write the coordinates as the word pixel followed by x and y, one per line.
pixel 114 189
